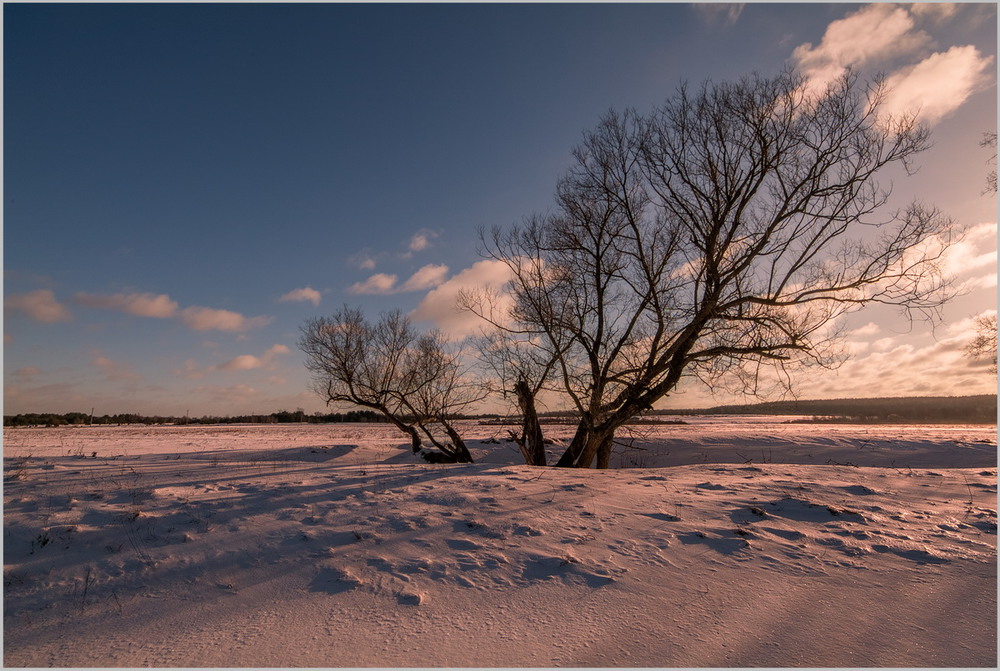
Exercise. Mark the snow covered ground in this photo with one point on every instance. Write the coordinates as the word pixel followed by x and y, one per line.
pixel 741 542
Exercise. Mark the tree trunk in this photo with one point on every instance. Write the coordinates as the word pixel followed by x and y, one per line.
pixel 572 453
pixel 532 441
pixel 409 430
pixel 598 442
pixel 604 451
pixel 462 452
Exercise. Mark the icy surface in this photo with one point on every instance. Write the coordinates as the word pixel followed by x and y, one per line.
pixel 747 542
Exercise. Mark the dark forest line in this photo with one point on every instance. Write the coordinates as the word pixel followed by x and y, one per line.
pixel 980 409
pixel 280 417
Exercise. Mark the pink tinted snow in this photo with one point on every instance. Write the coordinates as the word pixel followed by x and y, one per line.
pixel 742 543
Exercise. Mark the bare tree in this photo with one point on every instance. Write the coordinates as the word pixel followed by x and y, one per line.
pixel 412 379
pixel 720 236
pixel 984 344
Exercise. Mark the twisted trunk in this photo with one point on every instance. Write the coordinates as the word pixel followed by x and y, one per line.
pixel 531 442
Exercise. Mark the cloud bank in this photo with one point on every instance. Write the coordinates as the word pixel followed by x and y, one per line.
pixel 41 305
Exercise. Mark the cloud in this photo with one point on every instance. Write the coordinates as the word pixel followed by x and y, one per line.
pixel 875 31
pixel 226 396
pixel 142 305
pixel 207 319
pixel 196 317
pixel 250 362
pixel 40 305
pixel 935 11
pixel 973 257
pixel 726 13
pixel 115 371
pixel 871 328
pixel 363 260
pixel 379 283
pixel 427 277
pixel 242 362
pixel 938 85
pixel 421 240
pixel 303 294
pixel 440 305
pixel 191 370
pixel 885 35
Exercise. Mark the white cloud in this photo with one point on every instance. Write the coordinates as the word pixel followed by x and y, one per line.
pixel 938 85
pixel 40 305
pixel 303 294
pixel 440 305
pixel 427 277
pixel 379 283
pixel 207 319
pixel 139 304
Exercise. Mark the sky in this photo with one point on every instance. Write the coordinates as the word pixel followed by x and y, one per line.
pixel 185 185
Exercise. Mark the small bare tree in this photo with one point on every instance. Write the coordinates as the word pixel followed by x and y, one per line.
pixel 720 236
pixel 413 379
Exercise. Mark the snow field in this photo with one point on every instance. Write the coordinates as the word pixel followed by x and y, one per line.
pixel 334 546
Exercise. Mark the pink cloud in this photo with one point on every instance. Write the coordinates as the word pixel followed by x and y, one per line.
pixel 421 240
pixel 938 85
pixel 439 306
pixel 379 283
pixel 874 31
pixel 207 319
pixel 304 294
pixel 142 305
pixel 115 371
pixel 427 277
pixel 251 362
pixel 40 305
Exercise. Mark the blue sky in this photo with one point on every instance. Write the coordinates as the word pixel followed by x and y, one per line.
pixel 184 185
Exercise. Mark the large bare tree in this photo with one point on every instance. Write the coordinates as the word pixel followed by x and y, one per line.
pixel 413 379
pixel 722 236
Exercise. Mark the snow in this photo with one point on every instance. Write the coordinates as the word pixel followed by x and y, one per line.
pixel 744 542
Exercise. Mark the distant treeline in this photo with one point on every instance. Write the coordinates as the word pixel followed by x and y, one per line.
pixel 280 417
pixel 980 409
